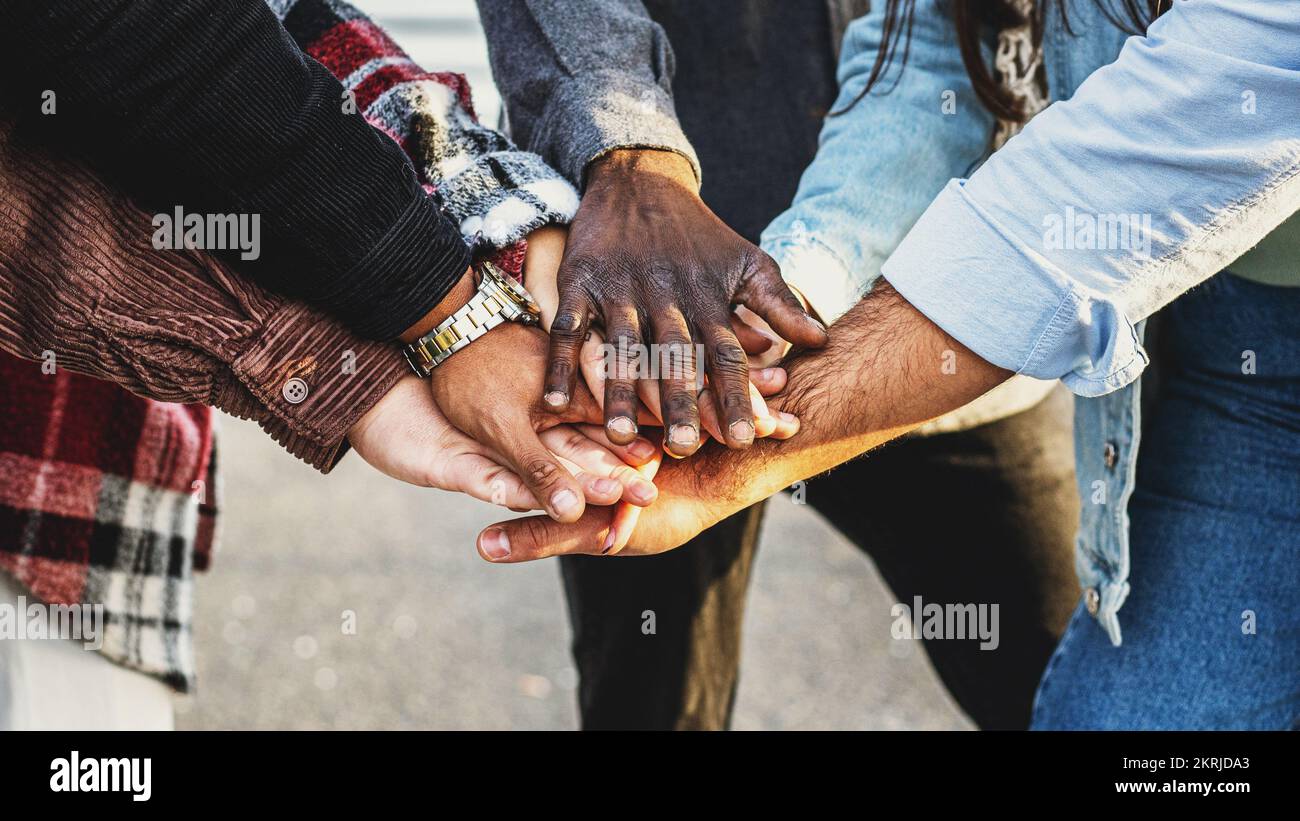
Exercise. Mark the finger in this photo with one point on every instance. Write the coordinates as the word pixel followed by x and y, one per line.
pixel 620 529
pixel 597 468
pixel 768 380
pixel 625 518
pixel 764 422
pixel 647 390
pixel 640 451
pixel 592 364
pixel 558 491
pixel 567 333
pixel 591 361
pixel 787 425
pixel 765 293
pixel 624 357
pixel 751 339
pixel 750 322
pixel 728 369
pixel 487 481
pixel 537 537
pixel 674 362
pixel 644 468
pixel 709 422
pixel 597 490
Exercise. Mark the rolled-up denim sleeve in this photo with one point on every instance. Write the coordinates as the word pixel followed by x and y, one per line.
pixel 880 161
pixel 1163 168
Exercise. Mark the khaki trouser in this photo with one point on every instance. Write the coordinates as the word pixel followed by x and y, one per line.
pixel 58 684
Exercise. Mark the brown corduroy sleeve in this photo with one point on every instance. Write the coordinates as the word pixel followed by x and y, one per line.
pixel 80 280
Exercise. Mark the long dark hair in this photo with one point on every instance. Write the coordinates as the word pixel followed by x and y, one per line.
pixel 975 18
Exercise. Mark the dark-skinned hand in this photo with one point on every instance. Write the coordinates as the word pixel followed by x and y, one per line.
pixel 653 265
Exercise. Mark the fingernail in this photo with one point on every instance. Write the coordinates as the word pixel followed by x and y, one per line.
pixel 605 486
pixel 643 491
pixel 641 448
pixel 768 374
pixel 742 430
pixel 609 543
pixel 564 502
pixel 495 544
pixel 621 424
pixel 820 326
pixel 555 398
pixel 683 435
pixel 787 417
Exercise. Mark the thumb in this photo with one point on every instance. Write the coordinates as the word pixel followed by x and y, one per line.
pixel 538 537
pixel 552 485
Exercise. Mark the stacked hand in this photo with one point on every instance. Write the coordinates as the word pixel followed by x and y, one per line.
pixel 646 276
pixel 407 437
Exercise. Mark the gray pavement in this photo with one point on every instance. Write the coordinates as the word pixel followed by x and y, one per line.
pixel 350 601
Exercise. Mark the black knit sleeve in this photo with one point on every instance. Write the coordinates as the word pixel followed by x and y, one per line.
pixel 210 105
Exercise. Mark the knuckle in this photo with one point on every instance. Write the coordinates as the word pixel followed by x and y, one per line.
pixel 730 358
pixel 675 337
pixel 559 373
pixel 619 393
pixel 762 266
pixel 736 400
pixel 541 472
pixel 535 531
pixel 624 336
pixel 663 269
pixel 569 325
pixel 580 265
pixel 681 403
pixel 574 441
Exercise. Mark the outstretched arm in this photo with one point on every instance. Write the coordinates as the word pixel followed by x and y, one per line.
pixel 82 289
pixel 886 370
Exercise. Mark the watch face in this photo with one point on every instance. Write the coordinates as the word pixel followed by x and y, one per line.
pixel 517 292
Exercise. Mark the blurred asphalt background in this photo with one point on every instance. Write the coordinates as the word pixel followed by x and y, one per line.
pixel 444 640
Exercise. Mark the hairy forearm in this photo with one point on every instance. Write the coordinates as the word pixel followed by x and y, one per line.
pixel 887 370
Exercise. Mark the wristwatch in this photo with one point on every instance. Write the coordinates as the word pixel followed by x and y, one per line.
pixel 498 299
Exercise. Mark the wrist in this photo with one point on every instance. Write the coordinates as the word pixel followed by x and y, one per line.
pixel 622 164
pixel 459 294
pixel 541 265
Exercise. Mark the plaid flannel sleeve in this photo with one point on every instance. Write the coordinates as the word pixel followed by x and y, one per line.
pixel 493 191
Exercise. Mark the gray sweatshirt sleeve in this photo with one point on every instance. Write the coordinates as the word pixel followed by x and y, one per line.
pixel 582 77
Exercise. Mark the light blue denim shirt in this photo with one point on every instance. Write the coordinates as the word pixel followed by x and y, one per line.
pixel 1163 159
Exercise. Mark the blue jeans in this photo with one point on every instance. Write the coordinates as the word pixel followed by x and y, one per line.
pixel 1212 625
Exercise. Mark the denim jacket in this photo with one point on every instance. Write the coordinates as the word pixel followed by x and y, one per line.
pixel 1163 158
